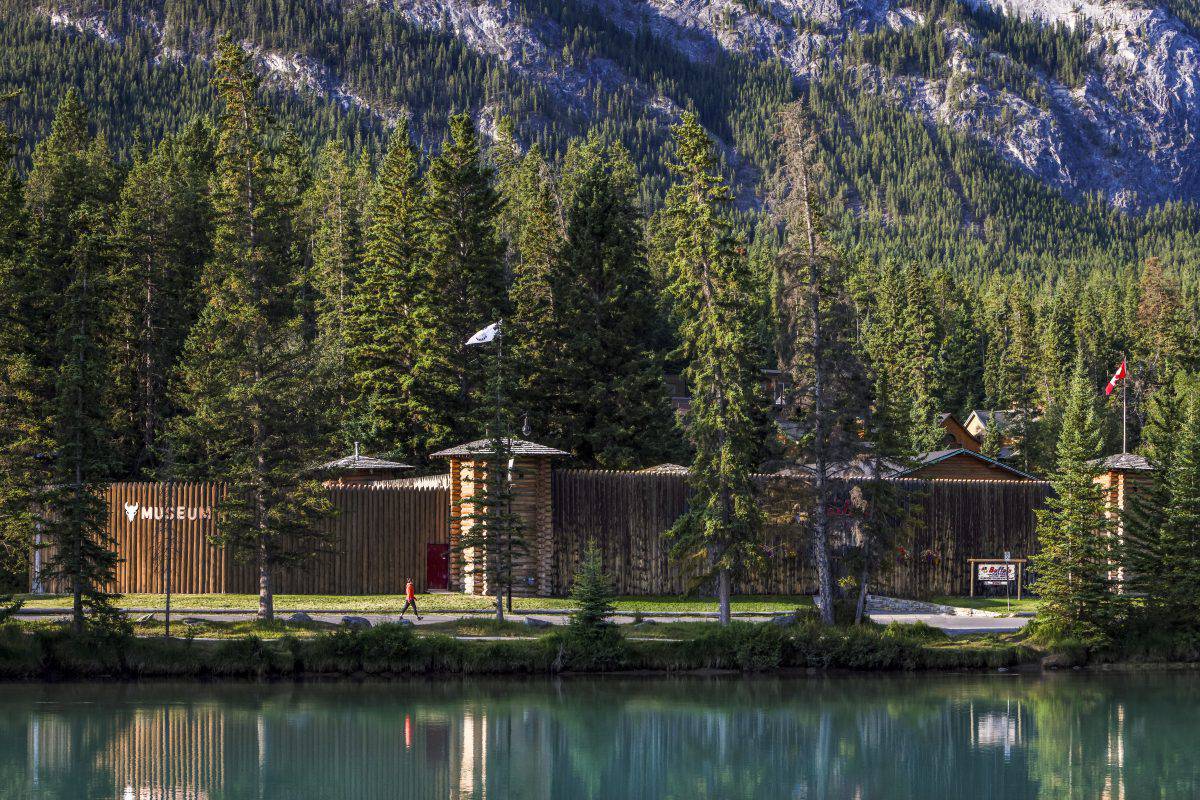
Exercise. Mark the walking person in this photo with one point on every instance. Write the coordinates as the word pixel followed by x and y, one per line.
pixel 410 599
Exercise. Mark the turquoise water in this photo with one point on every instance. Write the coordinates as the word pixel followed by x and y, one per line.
pixel 859 738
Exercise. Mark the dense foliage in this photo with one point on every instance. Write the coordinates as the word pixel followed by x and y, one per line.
pixel 186 288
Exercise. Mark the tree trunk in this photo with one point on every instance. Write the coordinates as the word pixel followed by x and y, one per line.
pixel 862 593
pixel 723 596
pixel 824 574
pixel 77 609
pixel 266 594
pixel 499 601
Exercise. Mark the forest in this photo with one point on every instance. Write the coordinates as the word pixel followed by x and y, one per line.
pixel 240 297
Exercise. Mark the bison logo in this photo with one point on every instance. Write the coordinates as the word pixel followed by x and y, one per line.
pixel 131 510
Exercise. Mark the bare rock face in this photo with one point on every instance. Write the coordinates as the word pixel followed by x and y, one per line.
pixel 1128 132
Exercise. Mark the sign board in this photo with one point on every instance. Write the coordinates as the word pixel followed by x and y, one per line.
pixel 995 573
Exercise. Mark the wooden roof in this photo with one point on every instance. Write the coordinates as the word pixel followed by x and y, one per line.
pixel 483 447
pixel 357 462
pixel 1122 462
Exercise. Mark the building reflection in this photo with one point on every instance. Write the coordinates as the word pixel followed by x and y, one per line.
pixel 769 739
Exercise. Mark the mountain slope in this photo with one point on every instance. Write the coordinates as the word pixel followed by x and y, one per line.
pixel 956 135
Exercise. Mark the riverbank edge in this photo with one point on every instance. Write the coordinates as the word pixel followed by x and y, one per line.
pixel 396 651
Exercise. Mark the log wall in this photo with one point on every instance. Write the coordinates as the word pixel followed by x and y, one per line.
pixel 380 536
pixel 378 540
pixel 627 514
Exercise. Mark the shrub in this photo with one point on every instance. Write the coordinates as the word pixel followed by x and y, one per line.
pixel 591 641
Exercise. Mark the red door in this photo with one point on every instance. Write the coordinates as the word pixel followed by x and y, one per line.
pixel 437 566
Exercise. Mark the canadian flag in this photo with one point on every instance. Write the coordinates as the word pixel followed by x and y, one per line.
pixel 1118 375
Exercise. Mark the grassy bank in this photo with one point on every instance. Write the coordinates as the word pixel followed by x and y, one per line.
pixel 430 603
pixel 49 653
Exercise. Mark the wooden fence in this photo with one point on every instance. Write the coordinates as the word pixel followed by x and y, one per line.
pixel 378 539
pixel 627 513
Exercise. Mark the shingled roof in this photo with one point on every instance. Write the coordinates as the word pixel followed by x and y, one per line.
pixel 357 462
pixel 518 447
pixel 1122 462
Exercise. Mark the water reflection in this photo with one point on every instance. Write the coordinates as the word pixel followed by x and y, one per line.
pixel 1115 738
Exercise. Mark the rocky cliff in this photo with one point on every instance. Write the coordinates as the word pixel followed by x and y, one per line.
pixel 1124 129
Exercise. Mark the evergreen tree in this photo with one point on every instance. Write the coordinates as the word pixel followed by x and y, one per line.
pixel 593 592
pixel 960 362
pixel 244 379
pixel 917 353
pixel 536 331
pixel 59 428
pixel 1076 532
pixel 612 403
pixel 710 287
pixel 392 328
pixel 75 520
pixel 1176 596
pixel 466 275
pixel 333 223
pixel 160 241
pixel 1142 560
pixel 21 435
pixel 593 637
pixel 816 347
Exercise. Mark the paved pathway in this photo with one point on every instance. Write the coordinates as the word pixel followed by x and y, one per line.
pixel 954 625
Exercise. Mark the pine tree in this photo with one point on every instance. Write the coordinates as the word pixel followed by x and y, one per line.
pixel 59 428
pixel 1142 558
pixel 1177 594
pixel 1076 532
pixel 594 640
pixel 333 225
pixel 244 379
pixel 612 404
pixel 710 287
pixel 536 331
pixel 160 241
pixel 21 435
pixel 815 344
pixel 75 521
pixel 466 274
pixel 392 329
pixel 593 592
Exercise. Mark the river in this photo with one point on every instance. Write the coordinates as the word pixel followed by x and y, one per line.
pixel 1117 737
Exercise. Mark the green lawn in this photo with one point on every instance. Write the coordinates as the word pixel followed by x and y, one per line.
pixel 431 603
pixel 997 604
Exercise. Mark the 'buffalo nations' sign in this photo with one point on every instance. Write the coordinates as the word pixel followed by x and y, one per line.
pixel 134 511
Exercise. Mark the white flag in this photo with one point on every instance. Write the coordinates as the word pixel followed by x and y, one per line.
pixel 486 335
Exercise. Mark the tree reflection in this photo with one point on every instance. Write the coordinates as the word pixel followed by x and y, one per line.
pixel 914 737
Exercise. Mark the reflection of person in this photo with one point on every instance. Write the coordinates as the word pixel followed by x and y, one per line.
pixel 410 599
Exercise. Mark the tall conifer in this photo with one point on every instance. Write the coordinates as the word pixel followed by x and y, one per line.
pixel 1076 531
pixel 466 279
pixel 710 288
pixel 397 364
pixel 245 377
pixel 613 406
pixel 827 401
pixel 160 241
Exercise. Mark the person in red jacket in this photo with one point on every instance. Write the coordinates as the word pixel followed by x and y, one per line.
pixel 410 599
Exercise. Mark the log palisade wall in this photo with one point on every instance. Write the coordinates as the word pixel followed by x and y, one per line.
pixel 626 513
pixel 380 536
pixel 378 540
